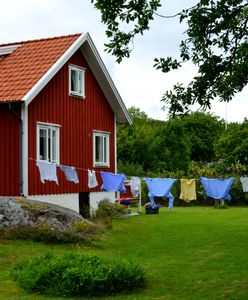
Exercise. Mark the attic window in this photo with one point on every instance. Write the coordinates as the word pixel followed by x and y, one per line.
pixel 76 81
pixel 6 50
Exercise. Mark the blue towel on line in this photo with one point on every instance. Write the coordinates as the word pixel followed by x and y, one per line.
pixel 217 188
pixel 160 187
pixel 113 182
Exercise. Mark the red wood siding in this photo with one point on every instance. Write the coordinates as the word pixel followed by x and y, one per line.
pixel 78 118
pixel 9 151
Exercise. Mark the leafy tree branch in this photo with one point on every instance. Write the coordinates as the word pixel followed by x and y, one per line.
pixel 216 42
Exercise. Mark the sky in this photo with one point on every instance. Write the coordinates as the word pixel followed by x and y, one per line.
pixel 138 83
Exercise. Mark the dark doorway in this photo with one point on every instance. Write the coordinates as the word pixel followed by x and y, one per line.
pixel 84 204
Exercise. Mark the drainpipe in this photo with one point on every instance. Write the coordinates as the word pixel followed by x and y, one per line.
pixel 21 142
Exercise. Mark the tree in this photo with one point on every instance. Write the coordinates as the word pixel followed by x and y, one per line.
pixel 136 113
pixel 170 149
pixel 216 43
pixel 133 141
pixel 156 146
pixel 204 130
pixel 232 146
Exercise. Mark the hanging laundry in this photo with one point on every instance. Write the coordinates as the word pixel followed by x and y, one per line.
pixel 92 181
pixel 217 188
pixel 48 171
pixel 135 185
pixel 160 187
pixel 113 182
pixel 188 190
pixel 70 173
pixel 244 181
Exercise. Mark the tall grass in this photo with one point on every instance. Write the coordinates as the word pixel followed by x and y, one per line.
pixel 190 253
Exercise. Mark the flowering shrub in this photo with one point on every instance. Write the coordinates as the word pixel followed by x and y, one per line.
pixel 108 209
pixel 148 205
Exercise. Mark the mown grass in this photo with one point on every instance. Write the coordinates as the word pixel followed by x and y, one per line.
pixel 190 253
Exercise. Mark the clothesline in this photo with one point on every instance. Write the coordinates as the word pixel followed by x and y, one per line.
pixel 78 168
pixel 86 170
pixel 158 187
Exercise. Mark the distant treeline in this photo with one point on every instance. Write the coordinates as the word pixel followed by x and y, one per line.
pixel 197 144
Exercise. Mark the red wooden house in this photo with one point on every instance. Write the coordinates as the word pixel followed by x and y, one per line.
pixel 58 104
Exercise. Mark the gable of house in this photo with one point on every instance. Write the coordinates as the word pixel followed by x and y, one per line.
pixel 78 119
pixel 24 67
pixel 34 90
pixel 32 64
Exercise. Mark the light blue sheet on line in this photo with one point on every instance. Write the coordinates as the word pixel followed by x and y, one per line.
pixel 160 187
pixel 217 188
pixel 113 182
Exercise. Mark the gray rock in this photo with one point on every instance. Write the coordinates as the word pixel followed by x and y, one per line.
pixel 25 212
pixel 12 214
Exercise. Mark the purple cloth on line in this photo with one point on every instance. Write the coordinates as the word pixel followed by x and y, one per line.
pixel 113 182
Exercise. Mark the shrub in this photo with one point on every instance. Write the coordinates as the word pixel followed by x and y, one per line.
pixel 108 209
pixel 77 275
pixel 44 233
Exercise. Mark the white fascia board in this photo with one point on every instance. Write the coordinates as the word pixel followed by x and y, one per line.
pixel 54 69
pixel 105 72
pixel 5 50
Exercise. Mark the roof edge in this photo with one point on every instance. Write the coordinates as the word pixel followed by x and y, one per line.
pixel 108 78
pixel 31 94
pixel 40 84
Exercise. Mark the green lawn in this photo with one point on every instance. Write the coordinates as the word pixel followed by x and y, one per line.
pixel 188 253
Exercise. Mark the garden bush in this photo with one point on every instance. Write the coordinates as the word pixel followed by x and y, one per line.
pixel 77 275
pixel 44 233
pixel 108 209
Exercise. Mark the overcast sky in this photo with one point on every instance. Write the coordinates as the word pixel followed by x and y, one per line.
pixel 139 84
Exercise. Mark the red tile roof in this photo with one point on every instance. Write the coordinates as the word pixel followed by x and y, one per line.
pixel 20 70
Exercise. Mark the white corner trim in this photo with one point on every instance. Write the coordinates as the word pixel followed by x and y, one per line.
pixel 24 116
pixel 54 69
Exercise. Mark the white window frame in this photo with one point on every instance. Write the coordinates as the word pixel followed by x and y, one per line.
pixel 106 139
pixel 79 71
pixel 49 128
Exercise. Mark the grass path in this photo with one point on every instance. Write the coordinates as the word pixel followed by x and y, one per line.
pixel 190 253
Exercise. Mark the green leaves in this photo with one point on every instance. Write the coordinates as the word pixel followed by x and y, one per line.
pixel 215 42
pixel 74 275
pixel 217 34
pixel 136 14
pixel 166 64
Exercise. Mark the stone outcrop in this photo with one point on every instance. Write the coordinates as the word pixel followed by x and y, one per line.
pixel 23 212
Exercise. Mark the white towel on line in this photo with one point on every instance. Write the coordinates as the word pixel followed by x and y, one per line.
pixel 244 181
pixel 135 184
pixel 92 181
pixel 48 171
pixel 70 173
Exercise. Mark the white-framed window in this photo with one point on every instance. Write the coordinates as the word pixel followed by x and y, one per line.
pixel 101 149
pixel 48 142
pixel 76 81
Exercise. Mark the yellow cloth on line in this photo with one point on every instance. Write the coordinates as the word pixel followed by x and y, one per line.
pixel 188 190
